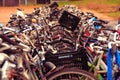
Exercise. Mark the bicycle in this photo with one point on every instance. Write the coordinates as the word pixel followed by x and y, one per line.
pixel 42 65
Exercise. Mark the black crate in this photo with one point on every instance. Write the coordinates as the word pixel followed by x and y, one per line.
pixel 77 59
pixel 69 20
pixel 54 4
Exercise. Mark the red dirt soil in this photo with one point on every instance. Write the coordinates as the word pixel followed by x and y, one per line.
pixel 6 11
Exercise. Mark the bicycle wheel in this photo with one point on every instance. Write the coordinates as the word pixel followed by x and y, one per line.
pixel 72 74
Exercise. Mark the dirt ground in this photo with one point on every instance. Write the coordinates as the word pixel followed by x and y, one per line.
pixel 5 12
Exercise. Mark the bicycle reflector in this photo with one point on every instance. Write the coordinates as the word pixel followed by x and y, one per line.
pixel 69 20
pixel 118 31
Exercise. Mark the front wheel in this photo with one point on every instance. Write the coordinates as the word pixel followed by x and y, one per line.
pixel 72 74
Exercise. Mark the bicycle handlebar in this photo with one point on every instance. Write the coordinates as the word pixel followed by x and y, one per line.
pixel 7 39
pixel 110 43
pixel 64 40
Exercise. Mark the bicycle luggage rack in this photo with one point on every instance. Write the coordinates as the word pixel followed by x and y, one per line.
pixel 76 59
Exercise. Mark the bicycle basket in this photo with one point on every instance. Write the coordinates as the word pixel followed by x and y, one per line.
pixel 77 59
pixel 69 21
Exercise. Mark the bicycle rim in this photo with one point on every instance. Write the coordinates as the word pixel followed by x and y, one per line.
pixel 72 74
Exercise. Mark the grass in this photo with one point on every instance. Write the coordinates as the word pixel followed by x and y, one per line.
pixel 108 2
pixel 116 2
pixel 108 7
pixel 77 3
pixel 115 15
pixel 69 3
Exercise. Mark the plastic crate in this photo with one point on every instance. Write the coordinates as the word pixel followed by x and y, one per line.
pixel 77 59
pixel 69 20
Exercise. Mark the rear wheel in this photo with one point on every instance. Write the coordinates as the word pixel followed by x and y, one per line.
pixel 72 74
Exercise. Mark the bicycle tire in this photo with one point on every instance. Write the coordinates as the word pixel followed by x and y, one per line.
pixel 77 73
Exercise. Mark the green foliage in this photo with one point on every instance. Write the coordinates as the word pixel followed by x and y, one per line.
pixel 100 1
pixel 74 2
pixel 111 2
pixel 114 15
pixel 69 3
